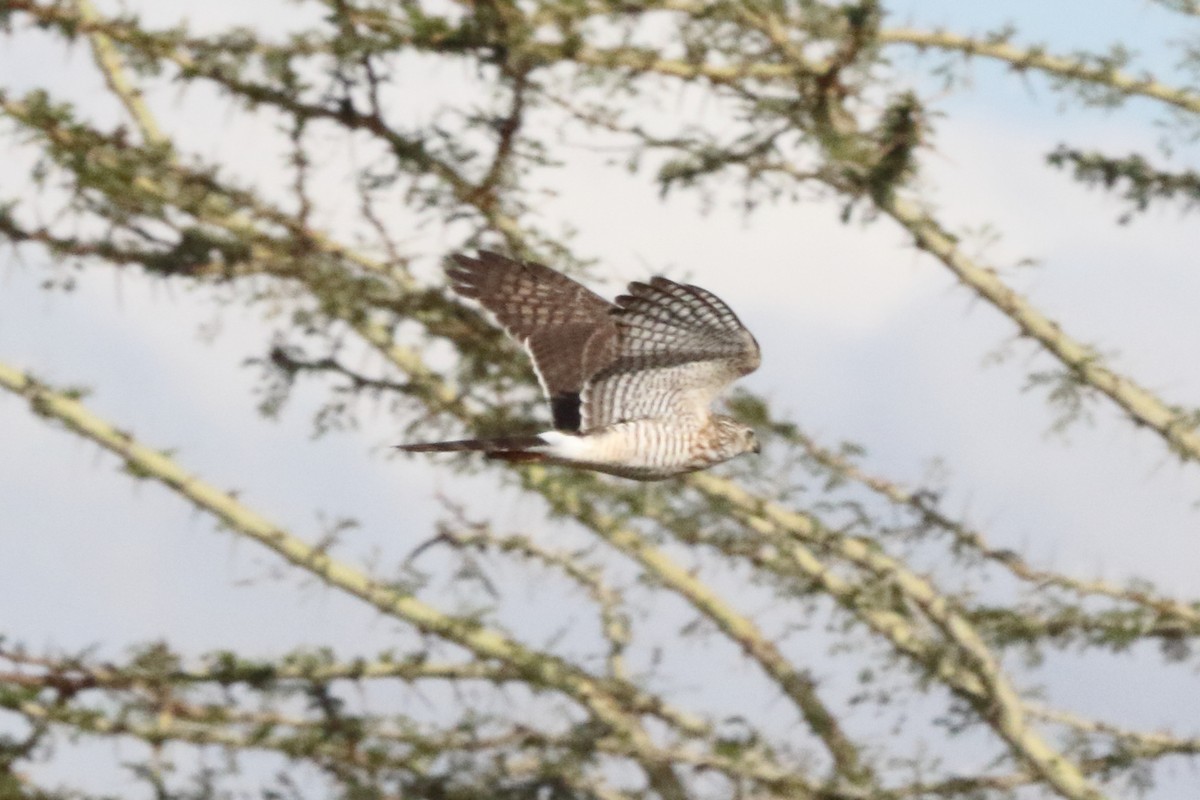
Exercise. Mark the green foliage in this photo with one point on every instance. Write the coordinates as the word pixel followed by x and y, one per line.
pixel 1133 178
pixel 804 548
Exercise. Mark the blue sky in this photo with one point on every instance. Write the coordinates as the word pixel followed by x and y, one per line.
pixel 864 340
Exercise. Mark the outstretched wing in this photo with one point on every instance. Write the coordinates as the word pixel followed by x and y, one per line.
pixel 569 331
pixel 678 346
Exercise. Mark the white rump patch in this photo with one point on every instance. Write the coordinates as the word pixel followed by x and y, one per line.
pixel 566 445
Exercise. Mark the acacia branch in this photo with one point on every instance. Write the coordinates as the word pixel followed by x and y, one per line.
pixel 186 56
pixel 540 669
pixel 228 669
pixel 795 683
pixel 991 693
pixel 836 130
pixel 1130 744
pixel 337 749
pixel 1024 58
pixel 1171 615
pixel 614 620
pixel 927 626
pixel 1176 427
pixel 112 66
pixel 410 362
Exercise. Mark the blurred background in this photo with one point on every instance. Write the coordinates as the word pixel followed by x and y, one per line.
pixel 866 339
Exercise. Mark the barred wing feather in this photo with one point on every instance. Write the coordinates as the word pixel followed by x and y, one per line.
pixel 568 330
pixel 677 348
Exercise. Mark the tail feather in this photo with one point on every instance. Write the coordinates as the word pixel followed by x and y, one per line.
pixel 506 448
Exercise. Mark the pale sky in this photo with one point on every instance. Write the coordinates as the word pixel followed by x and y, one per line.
pixel 863 339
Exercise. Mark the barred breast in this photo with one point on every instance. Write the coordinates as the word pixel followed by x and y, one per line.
pixel 645 449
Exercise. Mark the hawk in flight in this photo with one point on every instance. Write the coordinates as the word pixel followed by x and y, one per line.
pixel 630 383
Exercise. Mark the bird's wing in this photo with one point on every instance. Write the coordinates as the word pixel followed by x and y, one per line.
pixel 677 348
pixel 569 331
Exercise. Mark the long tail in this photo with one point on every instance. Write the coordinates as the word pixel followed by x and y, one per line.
pixel 505 448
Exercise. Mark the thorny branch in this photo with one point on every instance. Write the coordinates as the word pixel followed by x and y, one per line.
pixel 793 77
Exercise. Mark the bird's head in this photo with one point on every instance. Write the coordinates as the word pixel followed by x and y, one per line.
pixel 735 437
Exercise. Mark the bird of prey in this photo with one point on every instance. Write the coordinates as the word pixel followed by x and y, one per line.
pixel 630 383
